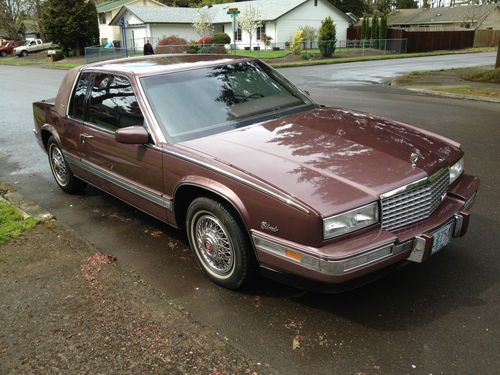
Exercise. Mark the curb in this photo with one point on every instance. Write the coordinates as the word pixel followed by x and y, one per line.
pixel 26 207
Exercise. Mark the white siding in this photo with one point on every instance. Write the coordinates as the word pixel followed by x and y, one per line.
pixel 113 32
pixel 137 37
pixel 185 31
pixel 309 15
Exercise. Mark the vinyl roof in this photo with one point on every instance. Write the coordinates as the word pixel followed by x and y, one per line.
pixel 153 64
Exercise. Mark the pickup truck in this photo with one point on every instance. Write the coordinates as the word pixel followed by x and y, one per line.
pixel 259 176
pixel 7 48
pixel 30 46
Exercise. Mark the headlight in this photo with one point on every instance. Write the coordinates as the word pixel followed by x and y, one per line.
pixel 350 221
pixel 456 170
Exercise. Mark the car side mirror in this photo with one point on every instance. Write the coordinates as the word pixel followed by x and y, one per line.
pixel 136 135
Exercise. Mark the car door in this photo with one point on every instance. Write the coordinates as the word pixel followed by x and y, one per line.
pixel 132 172
pixel 70 128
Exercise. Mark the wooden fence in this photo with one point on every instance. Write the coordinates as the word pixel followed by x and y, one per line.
pixel 486 38
pixel 425 41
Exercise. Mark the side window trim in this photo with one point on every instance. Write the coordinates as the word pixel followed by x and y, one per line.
pixel 85 99
pixel 86 121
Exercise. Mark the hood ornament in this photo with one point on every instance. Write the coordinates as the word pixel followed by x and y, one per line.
pixel 414 158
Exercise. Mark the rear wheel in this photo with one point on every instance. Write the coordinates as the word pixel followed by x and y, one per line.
pixel 3 53
pixel 219 243
pixel 60 169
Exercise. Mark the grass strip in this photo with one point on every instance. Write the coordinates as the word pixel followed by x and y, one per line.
pixel 465 90
pixel 372 58
pixel 64 66
pixel 17 63
pixel 12 222
pixel 490 76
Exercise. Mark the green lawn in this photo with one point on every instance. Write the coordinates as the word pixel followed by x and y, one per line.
pixel 269 54
pixel 12 223
pixel 17 62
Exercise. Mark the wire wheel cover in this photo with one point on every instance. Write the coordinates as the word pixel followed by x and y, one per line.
pixel 213 244
pixel 58 165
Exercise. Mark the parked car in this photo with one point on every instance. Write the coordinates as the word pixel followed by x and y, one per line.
pixel 6 48
pixel 257 174
pixel 30 46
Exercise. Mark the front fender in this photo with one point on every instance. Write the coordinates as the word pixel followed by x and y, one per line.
pixel 217 188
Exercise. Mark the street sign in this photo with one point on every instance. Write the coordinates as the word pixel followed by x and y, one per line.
pixel 233 11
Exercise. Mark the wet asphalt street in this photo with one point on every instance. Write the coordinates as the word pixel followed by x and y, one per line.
pixel 438 317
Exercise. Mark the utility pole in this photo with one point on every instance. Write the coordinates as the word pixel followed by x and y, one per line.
pixel 497 65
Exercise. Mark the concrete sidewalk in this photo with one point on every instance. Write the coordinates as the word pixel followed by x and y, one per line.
pixel 67 308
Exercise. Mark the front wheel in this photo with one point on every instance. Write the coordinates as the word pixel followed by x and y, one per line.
pixel 24 53
pixel 60 169
pixel 3 53
pixel 219 243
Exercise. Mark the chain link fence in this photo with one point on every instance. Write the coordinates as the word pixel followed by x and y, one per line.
pixel 285 51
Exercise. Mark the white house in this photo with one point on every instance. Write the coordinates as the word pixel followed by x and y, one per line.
pixel 107 10
pixel 281 20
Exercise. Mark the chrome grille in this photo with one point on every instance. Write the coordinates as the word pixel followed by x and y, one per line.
pixel 415 203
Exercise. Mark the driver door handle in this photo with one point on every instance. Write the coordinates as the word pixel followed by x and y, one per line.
pixel 86 138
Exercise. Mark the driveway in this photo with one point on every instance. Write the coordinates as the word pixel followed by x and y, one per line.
pixel 438 317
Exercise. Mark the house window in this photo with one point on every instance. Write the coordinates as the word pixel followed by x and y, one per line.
pixel 261 30
pixel 315 3
pixel 237 34
pixel 102 18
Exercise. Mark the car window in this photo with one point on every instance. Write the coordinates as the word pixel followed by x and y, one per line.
pixel 77 104
pixel 112 103
pixel 198 102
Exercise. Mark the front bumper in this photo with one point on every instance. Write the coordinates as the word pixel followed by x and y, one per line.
pixel 358 256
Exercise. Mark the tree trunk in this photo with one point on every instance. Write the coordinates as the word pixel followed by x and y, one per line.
pixel 497 65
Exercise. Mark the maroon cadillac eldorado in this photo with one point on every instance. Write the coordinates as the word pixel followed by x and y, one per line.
pixel 259 175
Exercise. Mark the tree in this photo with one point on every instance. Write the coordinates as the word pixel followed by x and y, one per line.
pixel 327 37
pixel 382 31
pixel 356 7
pixel 250 21
pixel 365 31
pixel 309 35
pixel 71 23
pixel 297 42
pixel 406 4
pixel 203 23
pixel 266 39
pixel 12 13
pixel 384 6
pixel 375 27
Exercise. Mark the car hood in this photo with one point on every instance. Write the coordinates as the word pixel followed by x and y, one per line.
pixel 331 159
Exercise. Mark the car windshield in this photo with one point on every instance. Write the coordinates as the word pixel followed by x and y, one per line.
pixel 199 102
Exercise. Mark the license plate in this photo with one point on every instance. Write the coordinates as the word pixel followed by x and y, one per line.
pixel 442 237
